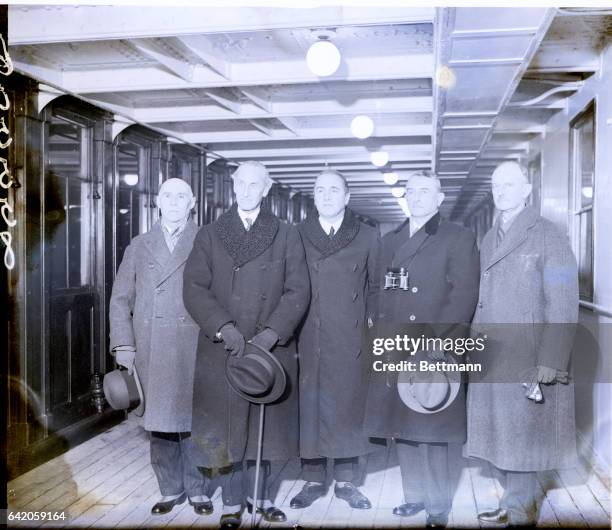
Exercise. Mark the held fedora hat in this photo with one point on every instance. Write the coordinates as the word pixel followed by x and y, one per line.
pixel 124 391
pixel 257 375
pixel 429 392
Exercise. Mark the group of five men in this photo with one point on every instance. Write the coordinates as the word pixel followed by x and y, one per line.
pixel 184 299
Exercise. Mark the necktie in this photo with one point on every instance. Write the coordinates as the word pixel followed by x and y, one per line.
pixel 174 237
pixel 501 232
pixel 331 232
pixel 249 223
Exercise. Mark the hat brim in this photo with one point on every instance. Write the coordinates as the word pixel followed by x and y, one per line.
pixel 404 384
pixel 280 378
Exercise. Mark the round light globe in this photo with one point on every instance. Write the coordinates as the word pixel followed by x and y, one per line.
pixel 131 179
pixel 398 192
pixel 379 158
pixel 323 58
pixel 362 127
pixel 390 178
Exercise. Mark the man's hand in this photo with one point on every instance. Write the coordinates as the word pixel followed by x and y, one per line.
pixel 266 339
pixel 126 359
pixel 546 375
pixel 233 339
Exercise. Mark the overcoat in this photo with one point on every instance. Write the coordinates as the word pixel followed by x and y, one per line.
pixel 333 371
pixel 442 264
pixel 146 311
pixel 529 285
pixel 255 279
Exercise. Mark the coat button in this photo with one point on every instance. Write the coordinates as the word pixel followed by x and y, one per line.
pixel 236 269
pixel 486 274
pixel 412 317
pixel 415 289
pixel 264 297
pixel 263 267
pixel 158 290
pixel 182 319
pixel 480 305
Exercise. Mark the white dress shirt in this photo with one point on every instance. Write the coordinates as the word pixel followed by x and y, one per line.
pixel 252 215
pixel 326 225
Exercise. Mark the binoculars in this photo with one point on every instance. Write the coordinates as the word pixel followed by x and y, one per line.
pixel 396 279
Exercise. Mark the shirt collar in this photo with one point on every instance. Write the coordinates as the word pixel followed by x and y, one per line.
pixel 326 225
pixel 415 225
pixel 252 215
pixel 176 230
pixel 506 219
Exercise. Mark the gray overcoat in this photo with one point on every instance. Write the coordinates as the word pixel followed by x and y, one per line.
pixel 147 312
pixel 255 279
pixel 333 368
pixel 529 280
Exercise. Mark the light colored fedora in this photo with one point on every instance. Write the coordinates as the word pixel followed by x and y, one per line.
pixel 429 392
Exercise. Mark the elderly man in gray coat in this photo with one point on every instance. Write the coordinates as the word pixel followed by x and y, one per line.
pixel 151 330
pixel 528 307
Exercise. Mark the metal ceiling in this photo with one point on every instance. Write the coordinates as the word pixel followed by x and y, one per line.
pixel 458 89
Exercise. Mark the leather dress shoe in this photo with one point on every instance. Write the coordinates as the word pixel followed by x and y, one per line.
pixel 353 496
pixel 408 509
pixel 271 514
pixel 499 516
pixel 163 507
pixel 436 521
pixel 309 494
pixel 230 521
pixel 202 507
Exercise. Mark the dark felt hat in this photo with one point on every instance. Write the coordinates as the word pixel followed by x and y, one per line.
pixel 257 375
pixel 124 391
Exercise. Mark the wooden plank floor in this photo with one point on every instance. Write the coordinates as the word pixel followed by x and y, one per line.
pixel 107 482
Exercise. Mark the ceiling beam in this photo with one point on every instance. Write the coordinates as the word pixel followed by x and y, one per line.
pixel 201 47
pixel 182 69
pixel 46 24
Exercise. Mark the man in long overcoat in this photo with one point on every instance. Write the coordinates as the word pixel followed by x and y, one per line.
pixel 528 308
pixel 151 329
pixel 342 255
pixel 441 260
pixel 246 279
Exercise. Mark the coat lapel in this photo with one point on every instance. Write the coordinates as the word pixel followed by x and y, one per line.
pixel 311 228
pixel 517 233
pixel 181 251
pixel 416 243
pixel 156 245
pixel 245 246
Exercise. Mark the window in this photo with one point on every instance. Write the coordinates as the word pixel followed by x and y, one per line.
pixel 582 184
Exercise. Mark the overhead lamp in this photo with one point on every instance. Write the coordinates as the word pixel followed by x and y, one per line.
pixel 323 58
pixel 390 178
pixel 404 206
pixel 379 158
pixel 362 127
pixel 398 192
pixel 131 179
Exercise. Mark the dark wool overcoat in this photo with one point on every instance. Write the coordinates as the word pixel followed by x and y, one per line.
pixel 255 279
pixel 442 263
pixel 146 311
pixel 333 371
pixel 528 281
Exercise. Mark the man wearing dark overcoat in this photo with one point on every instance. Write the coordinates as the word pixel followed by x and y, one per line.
pixel 441 260
pixel 151 329
pixel 246 279
pixel 342 254
pixel 528 308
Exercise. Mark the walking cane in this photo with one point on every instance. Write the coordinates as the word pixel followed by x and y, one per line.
pixel 257 462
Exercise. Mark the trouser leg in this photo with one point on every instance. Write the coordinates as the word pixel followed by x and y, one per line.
pixel 346 469
pixel 314 469
pixel 230 478
pixel 193 480
pixel 167 462
pixel 424 469
pixel 263 484
pixel 519 496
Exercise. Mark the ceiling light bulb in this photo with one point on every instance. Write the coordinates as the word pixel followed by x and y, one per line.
pixel 131 179
pixel 362 127
pixel 390 178
pixel 398 192
pixel 379 158
pixel 323 58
